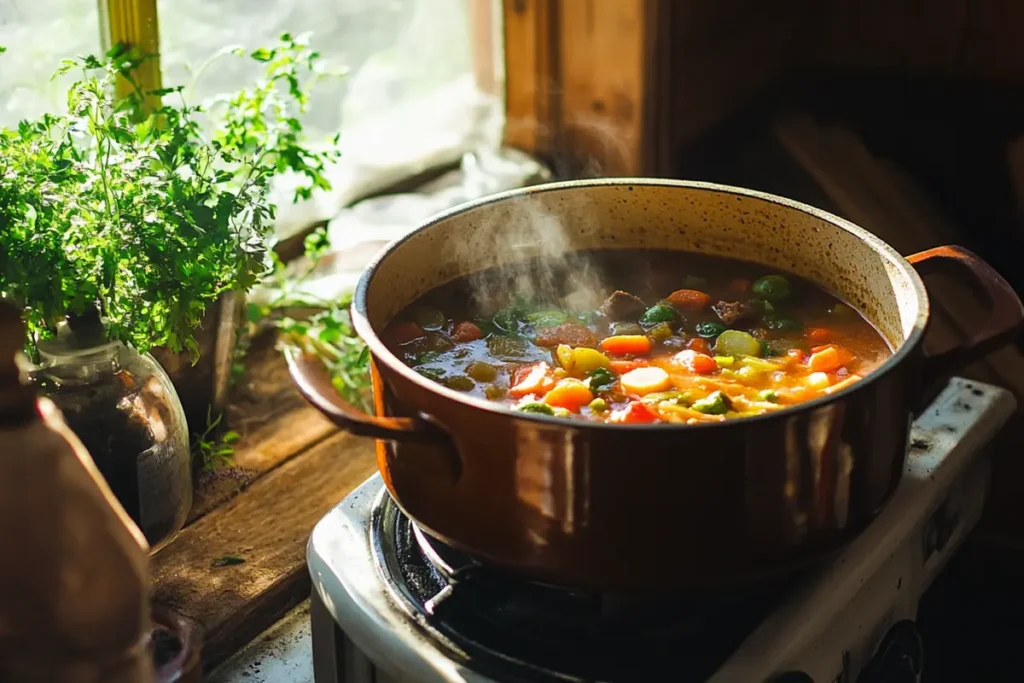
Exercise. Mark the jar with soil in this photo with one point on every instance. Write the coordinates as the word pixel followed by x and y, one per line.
pixel 126 412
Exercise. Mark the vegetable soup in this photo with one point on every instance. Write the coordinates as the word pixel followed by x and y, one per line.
pixel 679 338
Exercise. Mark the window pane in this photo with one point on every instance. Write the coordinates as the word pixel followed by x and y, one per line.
pixel 38 34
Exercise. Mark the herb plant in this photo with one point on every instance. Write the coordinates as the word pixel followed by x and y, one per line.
pixel 151 215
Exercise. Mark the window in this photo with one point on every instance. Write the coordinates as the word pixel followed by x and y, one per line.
pixel 38 34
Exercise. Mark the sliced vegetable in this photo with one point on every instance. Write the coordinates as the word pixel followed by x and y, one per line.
pixel 566 357
pixel 825 360
pixel 621 345
pixel 536 379
pixel 601 379
pixel 644 381
pixel 635 413
pixel 659 313
pixel 660 332
pixel 715 403
pixel 481 371
pixel 569 393
pixel 771 288
pixel 506 348
pixel 459 383
pixel 535 407
pixel 493 392
pixel 689 299
pixel 430 318
pixel 586 361
pixel 818 380
pixel 698 363
pixel 737 343
pixel 724 361
pixel 710 330
pixel 466 332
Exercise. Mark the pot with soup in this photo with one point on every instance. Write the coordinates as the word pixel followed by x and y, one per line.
pixel 647 385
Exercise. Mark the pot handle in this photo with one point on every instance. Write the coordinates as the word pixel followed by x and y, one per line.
pixel 1007 314
pixel 314 383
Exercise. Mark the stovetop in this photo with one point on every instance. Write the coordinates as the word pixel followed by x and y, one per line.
pixel 391 604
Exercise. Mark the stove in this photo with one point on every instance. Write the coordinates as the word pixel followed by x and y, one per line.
pixel 391 605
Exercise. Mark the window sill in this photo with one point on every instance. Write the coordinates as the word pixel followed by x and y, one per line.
pixel 291 467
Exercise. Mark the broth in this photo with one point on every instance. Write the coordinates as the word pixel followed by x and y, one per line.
pixel 679 338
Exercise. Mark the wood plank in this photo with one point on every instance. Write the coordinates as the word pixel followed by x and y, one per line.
pixel 530 79
pixel 268 528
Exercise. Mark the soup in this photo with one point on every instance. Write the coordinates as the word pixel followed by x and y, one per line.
pixel 679 338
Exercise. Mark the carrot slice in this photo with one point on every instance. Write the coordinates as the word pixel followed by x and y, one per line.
pixel 697 363
pixel 621 367
pixel 689 299
pixel 826 360
pixel 797 355
pixel 643 381
pixel 636 344
pixel 819 334
pixel 569 393
pixel 535 380
pixel 699 345
pixel 466 332
pixel 635 413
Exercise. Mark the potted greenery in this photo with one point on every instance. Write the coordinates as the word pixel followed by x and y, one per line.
pixel 161 218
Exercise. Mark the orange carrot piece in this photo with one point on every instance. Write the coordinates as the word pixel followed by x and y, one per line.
pixel 689 299
pixel 845 356
pixel 536 380
pixel 621 367
pixel 739 285
pixel 635 413
pixel 818 334
pixel 699 345
pixel 797 355
pixel 635 344
pixel 466 332
pixel 569 393
pixel 697 363
pixel 826 360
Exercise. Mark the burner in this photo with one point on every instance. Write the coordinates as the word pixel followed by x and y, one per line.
pixel 493 621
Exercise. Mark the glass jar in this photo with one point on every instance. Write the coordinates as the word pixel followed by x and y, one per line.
pixel 123 407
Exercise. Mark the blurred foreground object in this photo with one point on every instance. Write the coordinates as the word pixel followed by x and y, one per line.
pixel 74 607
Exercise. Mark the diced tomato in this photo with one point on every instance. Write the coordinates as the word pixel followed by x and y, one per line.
pixel 405 332
pixel 797 355
pixel 635 413
pixel 697 363
pixel 621 367
pixel 739 285
pixel 689 299
pixel 818 334
pixel 699 345
pixel 531 379
pixel 466 332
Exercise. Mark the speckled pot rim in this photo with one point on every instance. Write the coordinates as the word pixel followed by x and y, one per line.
pixel 384 356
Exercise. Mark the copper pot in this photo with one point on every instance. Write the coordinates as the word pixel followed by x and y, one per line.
pixel 656 507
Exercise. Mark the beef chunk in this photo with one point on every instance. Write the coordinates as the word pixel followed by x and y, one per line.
pixel 572 334
pixel 730 312
pixel 623 306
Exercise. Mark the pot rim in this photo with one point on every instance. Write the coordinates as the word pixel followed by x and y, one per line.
pixel 382 354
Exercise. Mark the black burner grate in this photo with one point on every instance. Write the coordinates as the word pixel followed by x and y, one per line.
pixel 515 630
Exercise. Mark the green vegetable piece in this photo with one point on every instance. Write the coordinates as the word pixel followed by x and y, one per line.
pixel 506 348
pixel 713 404
pixel 623 328
pixel 710 330
pixel 560 412
pixel 493 392
pixel 429 318
pixel 542 408
pixel 481 371
pixel 674 397
pixel 659 313
pixel 459 383
pixel 542 319
pixel 771 288
pixel 598 405
pixel 783 325
pixel 660 332
pixel 768 395
pixel 737 343
pixel 436 374
pixel 509 319
pixel 601 378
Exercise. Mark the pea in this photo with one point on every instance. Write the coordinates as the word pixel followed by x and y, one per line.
pixel 598 405
pixel 460 383
pixel 493 392
pixel 659 313
pixel 542 408
pixel 783 325
pixel 771 288
pixel 716 403
pixel 436 374
pixel 506 347
pixel 710 330
pixel 481 371
pixel 625 328
pixel 737 343
pixel 660 332
pixel 429 318
pixel 768 395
